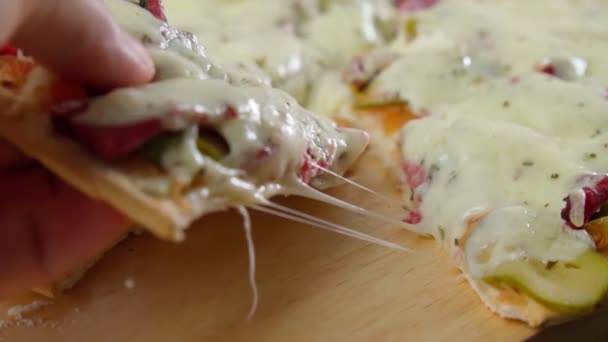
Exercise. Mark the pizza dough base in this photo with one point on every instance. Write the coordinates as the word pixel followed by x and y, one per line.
pixel 33 133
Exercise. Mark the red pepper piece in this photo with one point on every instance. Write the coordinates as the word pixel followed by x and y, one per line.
pixel 595 198
pixel 414 5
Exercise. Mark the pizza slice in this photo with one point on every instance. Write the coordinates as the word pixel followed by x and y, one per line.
pixel 197 139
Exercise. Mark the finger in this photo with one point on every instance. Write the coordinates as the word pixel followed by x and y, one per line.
pixel 49 229
pixel 11 157
pixel 79 40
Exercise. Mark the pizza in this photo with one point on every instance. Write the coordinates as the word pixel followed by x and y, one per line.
pixel 490 114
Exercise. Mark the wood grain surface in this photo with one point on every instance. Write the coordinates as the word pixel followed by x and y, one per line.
pixel 314 286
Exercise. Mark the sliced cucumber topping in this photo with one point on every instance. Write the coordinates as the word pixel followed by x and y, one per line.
pixel 212 144
pixel 208 142
pixel 567 287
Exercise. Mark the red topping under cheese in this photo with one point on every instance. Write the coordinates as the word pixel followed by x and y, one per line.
pixel 112 143
pixel 155 7
pixel 414 5
pixel 415 176
pixel 107 142
pixel 547 68
pixel 594 199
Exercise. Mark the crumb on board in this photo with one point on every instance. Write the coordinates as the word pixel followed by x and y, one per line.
pixel 15 316
pixel 130 283
pixel 18 310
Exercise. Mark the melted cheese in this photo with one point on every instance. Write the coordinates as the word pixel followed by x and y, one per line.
pixel 271 138
pixel 504 143
pixel 502 140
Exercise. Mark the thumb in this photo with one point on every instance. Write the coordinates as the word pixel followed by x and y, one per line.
pixel 77 39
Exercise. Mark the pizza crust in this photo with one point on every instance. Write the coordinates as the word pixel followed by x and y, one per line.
pixel 33 133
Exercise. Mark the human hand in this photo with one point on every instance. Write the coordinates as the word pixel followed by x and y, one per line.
pixel 46 227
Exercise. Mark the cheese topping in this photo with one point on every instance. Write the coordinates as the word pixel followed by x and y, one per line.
pixel 516 103
pixel 512 101
pixel 273 144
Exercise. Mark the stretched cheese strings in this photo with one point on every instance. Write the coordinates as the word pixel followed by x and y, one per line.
pixel 297 216
pixel 356 185
pixel 308 192
pixel 251 251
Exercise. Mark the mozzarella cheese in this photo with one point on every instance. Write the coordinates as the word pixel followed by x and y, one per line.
pixel 512 98
pixel 274 143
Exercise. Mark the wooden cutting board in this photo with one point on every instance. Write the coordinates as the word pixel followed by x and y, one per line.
pixel 314 286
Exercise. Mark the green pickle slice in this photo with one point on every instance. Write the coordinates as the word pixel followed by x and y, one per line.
pixel 573 287
pixel 208 143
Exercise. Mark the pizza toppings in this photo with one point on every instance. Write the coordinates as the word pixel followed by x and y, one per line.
pixel 515 116
pixel 565 68
pixel 573 287
pixel 155 7
pixel 584 202
pixel 115 142
pixel 494 145
pixel 414 5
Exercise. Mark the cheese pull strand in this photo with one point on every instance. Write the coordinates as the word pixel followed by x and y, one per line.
pixel 308 192
pixel 297 216
pixel 389 200
pixel 251 252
